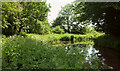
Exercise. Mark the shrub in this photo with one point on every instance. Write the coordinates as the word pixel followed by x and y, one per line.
pixel 79 39
pixel 22 53
pixel 58 30
pixel 65 38
pixel 86 29
pixel 3 36
pixel 24 34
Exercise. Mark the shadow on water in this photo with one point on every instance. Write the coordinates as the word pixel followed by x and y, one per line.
pixel 108 46
pixel 112 57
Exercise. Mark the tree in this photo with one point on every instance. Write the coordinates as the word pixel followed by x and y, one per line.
pixel 59 21
pixel 57 30
pixel 65 18
pixel 68 18
pixel 11 13
pixel 104 15
pixel 67 14
pixel 34 12
pixel 24 16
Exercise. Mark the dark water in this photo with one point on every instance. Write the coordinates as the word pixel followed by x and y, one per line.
pixel 107 56
pixel 111 56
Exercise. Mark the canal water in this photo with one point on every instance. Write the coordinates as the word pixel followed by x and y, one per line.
pixel 111 56
pixel 108 58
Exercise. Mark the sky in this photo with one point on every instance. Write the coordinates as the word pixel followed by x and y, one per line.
pixel 56 7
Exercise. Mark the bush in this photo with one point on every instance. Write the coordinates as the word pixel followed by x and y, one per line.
pixel 24 34
pixel 86 29
pixel 3 36
pixel 58 30
pixel 79 39
pixel 21 53
pixel 65 38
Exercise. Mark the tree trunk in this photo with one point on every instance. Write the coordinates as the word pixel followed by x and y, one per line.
pixel 68 25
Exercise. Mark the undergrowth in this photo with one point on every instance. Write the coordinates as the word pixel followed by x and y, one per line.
pixel 32 53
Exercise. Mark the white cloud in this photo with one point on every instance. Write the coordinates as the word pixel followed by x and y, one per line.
pixel 56 7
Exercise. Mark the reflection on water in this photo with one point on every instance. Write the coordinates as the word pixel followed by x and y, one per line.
pixel 105 56
pixel 112 56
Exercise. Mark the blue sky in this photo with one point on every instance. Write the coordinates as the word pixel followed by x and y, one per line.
pixel 56 7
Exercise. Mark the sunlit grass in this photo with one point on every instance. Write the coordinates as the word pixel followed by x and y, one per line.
pixel 77 37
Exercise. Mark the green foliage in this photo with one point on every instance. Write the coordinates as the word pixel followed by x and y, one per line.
pixel 3 36
pixel 65 18
pixel 84 30
pixel 24 34
pixel 58 30
pixel 58 21
pixel 18 52
pixel 59 37
pixel 32 53
pixel 30 17
pixel 105 18
pixel 11 14
pixel 68 19
pixel 41 27
pixel 105 15
pixel 36 13
pixel 65 38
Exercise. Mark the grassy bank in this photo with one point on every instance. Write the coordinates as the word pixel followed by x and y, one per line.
pixel 67 37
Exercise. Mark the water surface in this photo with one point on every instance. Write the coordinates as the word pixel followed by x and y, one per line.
pixel 106 56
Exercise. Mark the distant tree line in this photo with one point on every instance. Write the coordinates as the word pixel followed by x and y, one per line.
pixel 105 16
pixel 32 17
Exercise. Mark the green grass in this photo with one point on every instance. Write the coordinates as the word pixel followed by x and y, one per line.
pixel 57 37
pixel 63 44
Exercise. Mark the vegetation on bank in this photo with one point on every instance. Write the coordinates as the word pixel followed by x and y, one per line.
pixel 32 53
pixel 67 37
pixel 30 37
